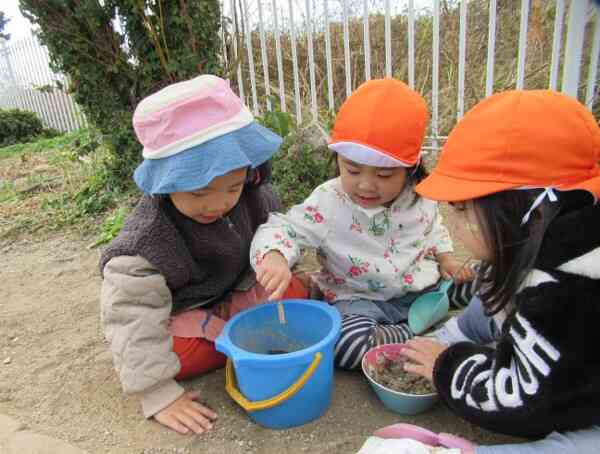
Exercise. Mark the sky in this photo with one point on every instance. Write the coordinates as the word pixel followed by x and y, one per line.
pixel 18 26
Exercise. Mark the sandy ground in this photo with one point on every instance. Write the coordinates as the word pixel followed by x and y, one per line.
pixel 56 375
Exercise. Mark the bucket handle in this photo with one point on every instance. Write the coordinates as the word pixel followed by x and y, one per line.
pixel 236 395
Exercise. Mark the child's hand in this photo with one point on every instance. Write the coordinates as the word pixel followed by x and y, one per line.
pixel 450 268
pixel 422 353
pixel 185 414
pixel 274 274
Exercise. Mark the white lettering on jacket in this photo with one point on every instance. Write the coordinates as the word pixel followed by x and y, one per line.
pixel 507 386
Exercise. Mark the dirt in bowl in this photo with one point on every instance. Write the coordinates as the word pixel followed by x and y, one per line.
pixel 389 372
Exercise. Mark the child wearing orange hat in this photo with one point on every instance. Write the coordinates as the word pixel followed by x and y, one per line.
pixel 522 172
pixel 380 244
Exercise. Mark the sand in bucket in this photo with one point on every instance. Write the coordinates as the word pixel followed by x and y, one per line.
pixel 272 339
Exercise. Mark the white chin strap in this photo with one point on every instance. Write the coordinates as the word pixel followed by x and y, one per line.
pixel 548 192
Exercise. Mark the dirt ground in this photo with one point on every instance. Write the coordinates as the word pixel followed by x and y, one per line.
pixel 56 375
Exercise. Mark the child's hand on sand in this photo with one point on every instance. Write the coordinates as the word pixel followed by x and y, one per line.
pixel 186 414
pixel 274 274
pixel 450 268
pixel 422 354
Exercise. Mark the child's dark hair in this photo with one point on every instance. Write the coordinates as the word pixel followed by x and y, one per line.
pixel 514 247
pixel 259 175
pixel 416 173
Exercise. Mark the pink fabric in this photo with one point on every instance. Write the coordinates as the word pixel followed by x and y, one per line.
pixel 187 117
pixel 209 323
pixel 425 436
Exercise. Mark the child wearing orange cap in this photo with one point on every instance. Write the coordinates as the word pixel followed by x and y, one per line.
pixel 522 173
pixel 381 245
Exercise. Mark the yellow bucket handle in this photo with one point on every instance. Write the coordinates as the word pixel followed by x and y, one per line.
pixel 231 387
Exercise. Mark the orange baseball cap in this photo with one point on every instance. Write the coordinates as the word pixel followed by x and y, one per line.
pixel 517 140
pixel 381 124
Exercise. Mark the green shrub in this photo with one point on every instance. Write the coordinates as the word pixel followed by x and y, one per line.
pixel 19 126
pixel 277 121
pixel 111 70
pixel 111 227
pixel 302 164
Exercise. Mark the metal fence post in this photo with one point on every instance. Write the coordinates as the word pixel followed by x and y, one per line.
pixel 574 48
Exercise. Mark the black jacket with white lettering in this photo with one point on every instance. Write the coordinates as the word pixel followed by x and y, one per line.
pixel 544 374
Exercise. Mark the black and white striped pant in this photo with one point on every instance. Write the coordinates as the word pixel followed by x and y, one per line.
pixel 460 295
pixel 360 332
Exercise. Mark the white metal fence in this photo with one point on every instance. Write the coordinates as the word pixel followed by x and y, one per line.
pixel 279 27
pixel 308 55
pixel 27 82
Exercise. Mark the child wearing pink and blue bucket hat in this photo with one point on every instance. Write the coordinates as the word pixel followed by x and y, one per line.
pixel 180 267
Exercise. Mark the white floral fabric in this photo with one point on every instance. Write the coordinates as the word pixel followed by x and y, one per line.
pixel 376 254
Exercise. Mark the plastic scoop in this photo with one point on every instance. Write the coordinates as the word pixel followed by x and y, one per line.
pixel 425 436
pixel 429 309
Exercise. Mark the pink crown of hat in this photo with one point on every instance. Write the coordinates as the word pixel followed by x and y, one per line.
pixel 187 114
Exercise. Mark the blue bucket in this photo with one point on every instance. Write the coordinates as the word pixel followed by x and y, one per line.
pixel 281 374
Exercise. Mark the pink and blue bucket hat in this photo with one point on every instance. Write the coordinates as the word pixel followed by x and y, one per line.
pixel 195 131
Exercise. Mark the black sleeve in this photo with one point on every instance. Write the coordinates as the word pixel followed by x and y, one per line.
pixel 544 374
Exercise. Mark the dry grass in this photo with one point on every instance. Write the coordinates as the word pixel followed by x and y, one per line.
pixel 42 188
pixel 539 49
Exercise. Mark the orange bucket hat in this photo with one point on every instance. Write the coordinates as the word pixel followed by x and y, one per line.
pixel 381 124
pixel 518 140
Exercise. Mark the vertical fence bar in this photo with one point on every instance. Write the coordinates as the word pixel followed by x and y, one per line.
pixel 236 56
pixel 366 40
pixel 311 62
pixel 28 80
pixel 574 48
pixel 462 44
pixel 224 41
pixel 58 94
pixel 248 36
pixel 46 82
pixel 328 58
pixel 22 100
pixel 279 58
pixel 263 54
pixel 295 65
pixel 14 74
pixel 411 44
pixel 69 117
pixel 522 44
pixel 556 42
pixel 435 73
pixel 594 60
pixel 37 78
pixel 56 99
pixel 491 50
pixel 347 63
pixel 12 94
pixel 388 39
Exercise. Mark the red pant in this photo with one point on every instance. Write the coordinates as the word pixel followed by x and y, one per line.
pixel 198 356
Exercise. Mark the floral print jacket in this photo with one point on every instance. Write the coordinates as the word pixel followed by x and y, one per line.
pixel 377 254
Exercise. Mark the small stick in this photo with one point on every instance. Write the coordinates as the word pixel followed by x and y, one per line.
pixel 281 313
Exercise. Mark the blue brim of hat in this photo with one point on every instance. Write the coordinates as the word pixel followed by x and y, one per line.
pixel 196 167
